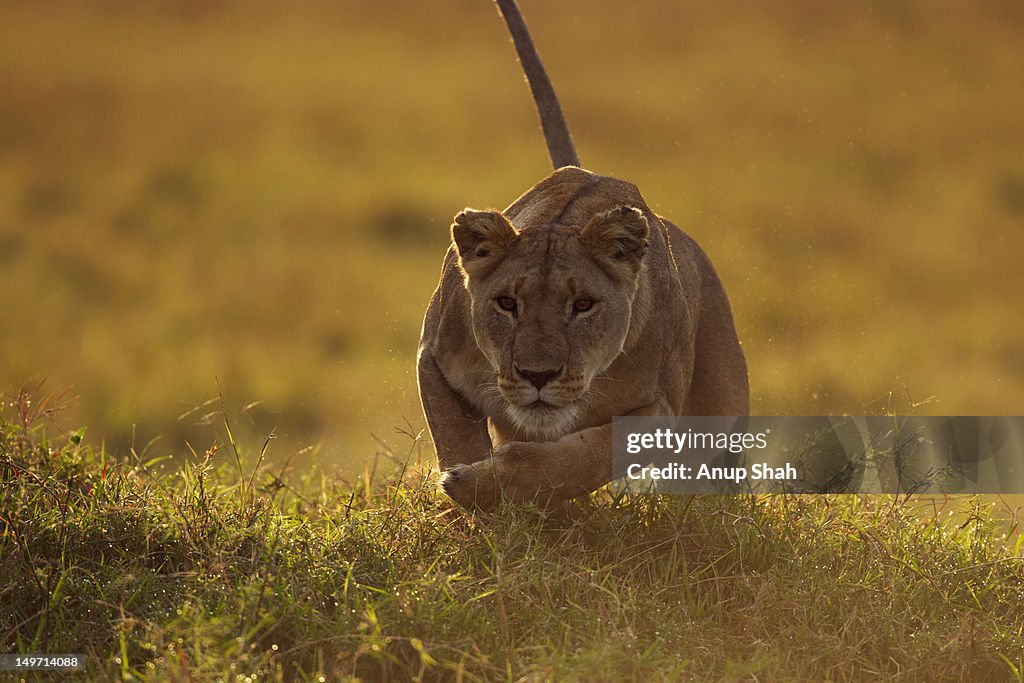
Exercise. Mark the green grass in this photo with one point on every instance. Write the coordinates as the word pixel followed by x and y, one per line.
pixel 228 568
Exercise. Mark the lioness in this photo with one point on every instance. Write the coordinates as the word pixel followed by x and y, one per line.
pixel 573 305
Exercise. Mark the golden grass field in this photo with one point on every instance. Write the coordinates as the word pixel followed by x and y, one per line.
pixel 259 193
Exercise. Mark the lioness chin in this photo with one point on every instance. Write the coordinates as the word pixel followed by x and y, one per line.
pixel 573 305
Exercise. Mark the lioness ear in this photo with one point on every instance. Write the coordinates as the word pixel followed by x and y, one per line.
pixel 482 238
pixel 618 238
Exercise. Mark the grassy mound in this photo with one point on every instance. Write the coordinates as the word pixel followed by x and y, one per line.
pixel 225 570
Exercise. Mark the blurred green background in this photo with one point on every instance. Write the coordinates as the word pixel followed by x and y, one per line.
pixel 260 192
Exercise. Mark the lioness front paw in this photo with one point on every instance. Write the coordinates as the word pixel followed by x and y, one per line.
pixel 504 475
pixel 465 485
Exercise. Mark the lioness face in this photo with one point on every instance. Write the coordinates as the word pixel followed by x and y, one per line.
pixel 551 307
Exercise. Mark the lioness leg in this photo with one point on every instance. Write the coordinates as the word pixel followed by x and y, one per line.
pixel 719 385
pixel 458 429
pixel 541 472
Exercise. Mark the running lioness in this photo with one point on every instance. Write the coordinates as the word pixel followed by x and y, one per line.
pixel 573 305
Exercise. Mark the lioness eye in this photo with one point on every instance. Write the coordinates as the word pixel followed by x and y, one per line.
pixel 581 305
pixel 507 303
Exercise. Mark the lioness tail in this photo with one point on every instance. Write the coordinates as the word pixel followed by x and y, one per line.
pixel 556 132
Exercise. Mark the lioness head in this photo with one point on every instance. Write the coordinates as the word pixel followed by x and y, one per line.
pixel 551 306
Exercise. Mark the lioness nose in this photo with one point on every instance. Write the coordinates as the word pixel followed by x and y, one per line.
pixel 539 378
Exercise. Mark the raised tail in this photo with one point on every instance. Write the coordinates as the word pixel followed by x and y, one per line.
pixel 556 132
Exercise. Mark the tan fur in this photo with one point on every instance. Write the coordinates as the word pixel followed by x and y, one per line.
pixel 519 403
